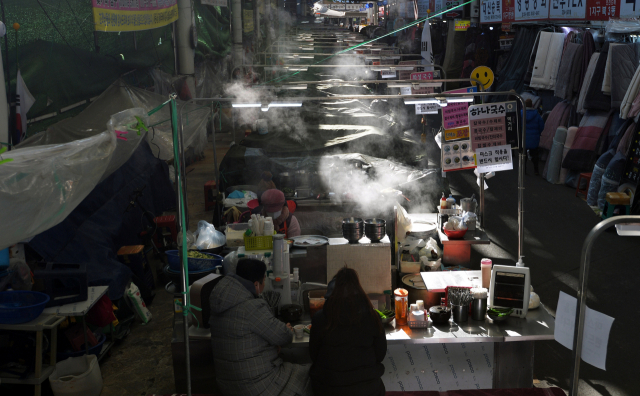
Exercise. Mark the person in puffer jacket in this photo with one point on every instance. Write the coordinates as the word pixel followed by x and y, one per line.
pixel 535 126
pixel 246 339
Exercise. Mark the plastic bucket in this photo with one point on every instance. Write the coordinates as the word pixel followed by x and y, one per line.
pixel 77 376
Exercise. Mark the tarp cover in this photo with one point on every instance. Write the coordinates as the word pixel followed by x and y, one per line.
pixel 100 225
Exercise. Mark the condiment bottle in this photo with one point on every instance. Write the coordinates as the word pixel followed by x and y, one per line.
pixel 451 202
pixel 443 202
pixel 401 301
pixel 485 265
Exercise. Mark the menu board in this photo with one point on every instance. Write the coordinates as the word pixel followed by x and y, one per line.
pixel 457 155
pixel 531 10
pixel 456 115
pixel 493 124
pixel 491 11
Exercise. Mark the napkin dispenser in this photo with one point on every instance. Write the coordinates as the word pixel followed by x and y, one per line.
pixel 510 288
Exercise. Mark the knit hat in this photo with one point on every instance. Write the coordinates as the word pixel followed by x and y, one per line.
pixel 273 200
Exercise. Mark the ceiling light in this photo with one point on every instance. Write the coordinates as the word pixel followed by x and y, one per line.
pixel 421 101
pixel 459 100
pixel 245 105
pixel 285 104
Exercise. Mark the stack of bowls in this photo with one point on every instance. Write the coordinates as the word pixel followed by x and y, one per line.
pixel 352 229
pixel 375 229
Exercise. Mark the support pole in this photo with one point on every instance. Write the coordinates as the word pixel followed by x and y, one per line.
pixel 186 53
pixel 236 24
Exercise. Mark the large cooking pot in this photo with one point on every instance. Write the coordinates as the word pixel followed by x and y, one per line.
pixel 418 291
pixel 424 230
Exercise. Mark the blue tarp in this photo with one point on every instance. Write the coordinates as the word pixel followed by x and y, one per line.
pixel 99 226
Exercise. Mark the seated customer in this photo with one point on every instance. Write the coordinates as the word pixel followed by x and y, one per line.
pixel 246 338
pixel 348 342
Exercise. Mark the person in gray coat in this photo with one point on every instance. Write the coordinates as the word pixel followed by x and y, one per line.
pixel 246 339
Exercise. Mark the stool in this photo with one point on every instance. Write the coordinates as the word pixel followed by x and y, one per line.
pixel 585 191
pixel 210 191
pixel 614 199
pixel 166 227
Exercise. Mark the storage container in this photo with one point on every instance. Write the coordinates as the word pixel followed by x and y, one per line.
pixel 77 376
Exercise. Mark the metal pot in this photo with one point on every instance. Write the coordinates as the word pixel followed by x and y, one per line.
pixel 418 291
pixel 468 204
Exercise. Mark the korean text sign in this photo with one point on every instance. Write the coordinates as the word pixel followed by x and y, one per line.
pixel 456 115
pixel 127 16
pixel 493 159
pixel 493 124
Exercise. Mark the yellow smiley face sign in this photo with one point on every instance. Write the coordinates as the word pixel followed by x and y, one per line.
pixel 484 75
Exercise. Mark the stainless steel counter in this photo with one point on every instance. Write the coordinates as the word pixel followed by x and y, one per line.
pixel 537 325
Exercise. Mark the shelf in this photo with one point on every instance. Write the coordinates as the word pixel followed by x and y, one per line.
pixel 80 308
pixel 43 322
pixel 30 380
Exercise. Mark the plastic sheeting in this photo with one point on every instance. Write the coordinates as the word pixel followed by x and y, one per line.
pixel 119 97
pixel 43 184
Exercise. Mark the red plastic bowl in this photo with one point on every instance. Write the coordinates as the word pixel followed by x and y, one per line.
pixel 454 234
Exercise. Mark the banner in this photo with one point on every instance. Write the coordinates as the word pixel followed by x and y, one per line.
pixel 121 16
pixel 532 10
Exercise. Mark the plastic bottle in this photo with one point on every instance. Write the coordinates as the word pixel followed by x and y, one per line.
pixel 451 202
pixel 443 202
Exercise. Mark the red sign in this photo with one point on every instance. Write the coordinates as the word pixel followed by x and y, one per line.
pixel 453 14
pixel 422 76
pixel 506 27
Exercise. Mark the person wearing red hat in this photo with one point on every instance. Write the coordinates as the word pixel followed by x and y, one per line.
pixel 274 205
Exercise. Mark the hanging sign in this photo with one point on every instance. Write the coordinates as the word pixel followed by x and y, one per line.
pixel 567 9
pixel 508 11
pixel 388 73
pixel 423 6
pixel 223 3
pixel 484 75
pixel 506 27
pixel 493 124
pixel 531 10
pixel 247 19
pixel 461 25
pixel 456 115
pixel 456 133
pixel 427 108
pixel 427 75
pixel 491 11
pixel 120 16
pixel 457 155
pixel 406 74
pixel 494 159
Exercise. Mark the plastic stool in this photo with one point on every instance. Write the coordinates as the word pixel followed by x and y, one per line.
pixel 210 192
pixel 585 191
pixel 614 199
pixel 166 225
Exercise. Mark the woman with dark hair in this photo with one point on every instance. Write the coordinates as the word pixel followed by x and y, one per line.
pixel 348 342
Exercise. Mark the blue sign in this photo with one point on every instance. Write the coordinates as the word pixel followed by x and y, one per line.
pixel 380 4
pixel 384 2
pixel 362 10
pixel 366 5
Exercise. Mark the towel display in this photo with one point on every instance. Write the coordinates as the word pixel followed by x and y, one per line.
pixel 569 71
pixel 588 76
pixel 555 158
pixel 586 140
pixel 547 63
pixel 595 99
pixel 571 134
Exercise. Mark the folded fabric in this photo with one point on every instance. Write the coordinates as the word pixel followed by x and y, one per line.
pixel 555 158
pixel 565 81
pixel 606 81
pixel 588 76
pixel 571 134
pixel 559 116
pixel 586 140
pixel 547 63
pixel 595 99
pixel 624 62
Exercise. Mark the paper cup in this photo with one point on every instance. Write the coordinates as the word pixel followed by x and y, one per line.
pixel 299 330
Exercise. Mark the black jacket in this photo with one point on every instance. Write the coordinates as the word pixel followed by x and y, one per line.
pixel 348 360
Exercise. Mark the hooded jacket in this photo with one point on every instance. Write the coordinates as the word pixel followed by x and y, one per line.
pixel 535 126
pixel 245 337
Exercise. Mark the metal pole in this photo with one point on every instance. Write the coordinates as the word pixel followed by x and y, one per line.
pixel 582 292
pixel 6 56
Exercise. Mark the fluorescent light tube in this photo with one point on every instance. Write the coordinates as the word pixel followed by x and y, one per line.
pixel 245 104
pixel 285 104
pixel 459 100
pixel 421 101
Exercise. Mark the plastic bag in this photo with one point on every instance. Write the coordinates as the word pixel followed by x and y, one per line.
pixel 18 277
pixel 208 237
pixel 230 263
pixel 191 240
pixel 133 293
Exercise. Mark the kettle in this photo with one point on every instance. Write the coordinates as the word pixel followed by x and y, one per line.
pixel 469 204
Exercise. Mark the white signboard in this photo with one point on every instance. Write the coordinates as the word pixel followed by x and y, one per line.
pixel 527 10
pixel 628 9
pixel 568 9
pixel 423 6
pixel 388 73
pixel 427 108
pixel 405 91
pixel 493 159
pixel 491 11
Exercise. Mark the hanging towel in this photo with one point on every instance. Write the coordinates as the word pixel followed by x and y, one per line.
pixel 586 140
pixel 558 117
pixel 555 158
pixel 606 81
pixel 595 99
pixel 587 81
pixel 571 134
pixel 589 47
pixel 545 68
pixel 564 84
pixel 630 95
pixel 624 62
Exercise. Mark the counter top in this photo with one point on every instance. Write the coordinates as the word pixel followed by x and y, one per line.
pixel 363 242
pixel 537 325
